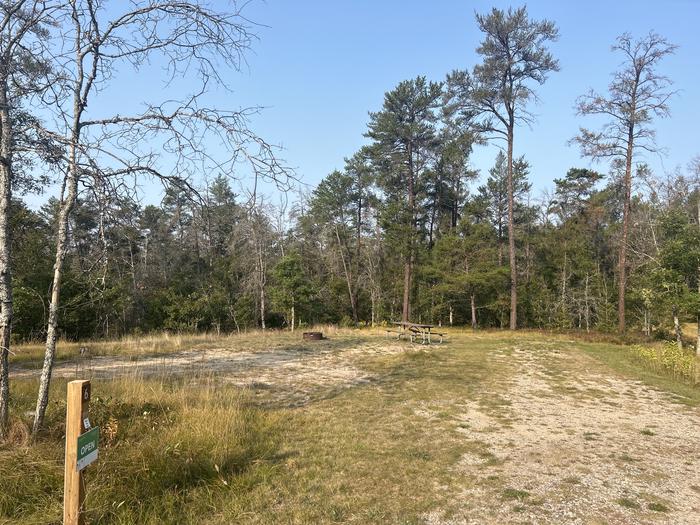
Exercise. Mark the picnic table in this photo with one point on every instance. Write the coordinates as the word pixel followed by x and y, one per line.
pixel 415 330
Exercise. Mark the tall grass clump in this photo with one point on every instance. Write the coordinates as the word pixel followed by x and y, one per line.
pixel 668 359
pixel 168 454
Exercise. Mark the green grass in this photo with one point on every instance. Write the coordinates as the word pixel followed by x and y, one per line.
pixel 622 360
pixel 657 507
pixel 161 449
pixel 196 450
pixel 514 494
pixel 628 503
pixel 214 454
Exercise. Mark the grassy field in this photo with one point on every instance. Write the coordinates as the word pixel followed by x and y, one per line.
pixel 487 428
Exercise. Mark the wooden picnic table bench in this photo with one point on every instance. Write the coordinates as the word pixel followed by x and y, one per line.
pixel 415 330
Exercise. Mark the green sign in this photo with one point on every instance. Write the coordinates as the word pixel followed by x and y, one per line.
pixel 87 447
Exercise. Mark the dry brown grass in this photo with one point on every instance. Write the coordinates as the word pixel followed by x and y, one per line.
pixel 361 429
pixel 159 343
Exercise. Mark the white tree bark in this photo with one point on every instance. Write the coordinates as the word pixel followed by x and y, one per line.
pixel 192 38
pixel 677 328
pixel 18 24
pixel 5 246
pixel 472 303
pixel 67 203
pixel 261 284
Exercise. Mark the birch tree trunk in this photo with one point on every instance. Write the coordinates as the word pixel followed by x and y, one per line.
pixel 66 206
pixel 5 246
pixel 472 302
pixel 646 330
pixel 262 298
pixel 52 327
pixel 677 328
pixel 22 59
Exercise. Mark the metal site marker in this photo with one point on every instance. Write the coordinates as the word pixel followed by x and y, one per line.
pixel 81 450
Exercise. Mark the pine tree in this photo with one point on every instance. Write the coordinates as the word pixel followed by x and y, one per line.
pixel 404 137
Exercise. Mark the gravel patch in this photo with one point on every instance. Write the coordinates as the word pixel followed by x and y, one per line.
pixel 570 446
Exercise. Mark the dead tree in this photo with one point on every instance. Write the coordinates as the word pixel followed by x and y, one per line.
pixel 254 239
pixel 636 94
pixel 190 39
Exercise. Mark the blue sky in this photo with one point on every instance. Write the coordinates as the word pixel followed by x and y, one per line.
pixel 321 65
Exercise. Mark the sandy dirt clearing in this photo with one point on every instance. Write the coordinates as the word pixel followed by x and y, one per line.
pixel 565 444
pixel 289 375
pixel 562 439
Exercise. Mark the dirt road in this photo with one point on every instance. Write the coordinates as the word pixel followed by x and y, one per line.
pixel 566 442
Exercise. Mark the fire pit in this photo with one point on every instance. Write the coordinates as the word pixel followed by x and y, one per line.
pixel 312 336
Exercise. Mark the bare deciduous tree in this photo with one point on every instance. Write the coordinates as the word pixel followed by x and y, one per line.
pixel 636 95
pixel 193 40
pixel 255 240
pixel 22 73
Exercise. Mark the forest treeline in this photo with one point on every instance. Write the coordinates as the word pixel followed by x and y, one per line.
pixel 407 230
pixel 337 257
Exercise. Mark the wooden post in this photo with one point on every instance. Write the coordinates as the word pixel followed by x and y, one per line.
pixel 78 400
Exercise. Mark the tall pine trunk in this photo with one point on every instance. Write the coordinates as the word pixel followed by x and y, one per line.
pixel 587 315
pixel 358 253
pixel 622 265
pixel 5 246
pixel 405 313
pixel 408 265
pixel 511 237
